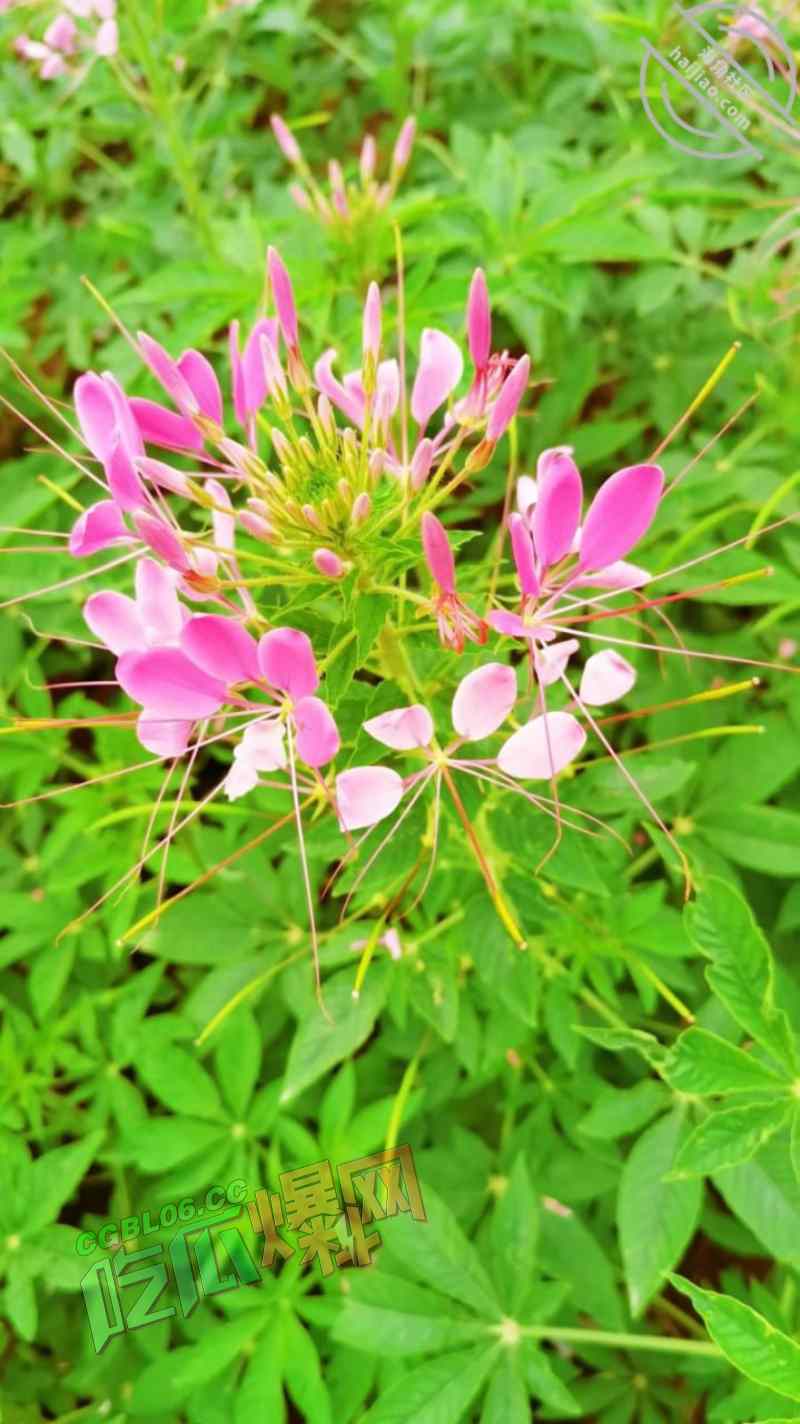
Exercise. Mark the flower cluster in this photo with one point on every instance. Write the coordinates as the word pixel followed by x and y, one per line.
pixel 349 205
pixel 81 30
pixel 327 485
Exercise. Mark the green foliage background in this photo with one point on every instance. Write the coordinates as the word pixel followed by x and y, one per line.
pixel 570 1169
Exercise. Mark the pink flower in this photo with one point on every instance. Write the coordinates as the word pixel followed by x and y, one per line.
pixel 287 142
pixel 456 622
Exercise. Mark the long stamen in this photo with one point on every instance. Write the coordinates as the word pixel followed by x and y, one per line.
pixel 702 395
pixel 304 865
pixel 497 897
pixel 633 783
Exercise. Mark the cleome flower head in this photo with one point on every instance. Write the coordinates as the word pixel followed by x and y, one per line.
pixel 320 463
pixel 350 205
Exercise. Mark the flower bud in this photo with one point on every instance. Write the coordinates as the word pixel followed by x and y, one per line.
pixel 286 140
pixel 362 508
pixel 328 563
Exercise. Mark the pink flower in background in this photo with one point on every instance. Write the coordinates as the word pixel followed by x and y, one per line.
pixel 65 45
pixel 350 203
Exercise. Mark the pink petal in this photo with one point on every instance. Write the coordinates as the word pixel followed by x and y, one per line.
pixel 61 34
pixel 403 728
pixel 387 390
pixel 479 320
pixel 254 377
pixel 96 414
pixel 511 393
pixel 620 513
pixel 221 647
pixel 349 404
pixel 318 738
pixel 365 794
pixel 606 677
pixel 100 526
pixel 169 684
pixel 438 554
pixel 201 378
pixel 115 619
pixel 543 747
pixel 163 476
pixel 527 495
pixel 551 662
pixel 167 372
pixel 264 744
pixel 557 512
pixel 371 323
pixel 159 537
pixel 509 624
pixel 126 421
pixel 123 481
pixel 438 373
pixel 224 523
pixel 286 659
pixel 522 549
pixel 166 739
pixel 163 427
pixel 483 700
pixel 619 575
pixel 242 777
pixel 107 39
pixel 283 295
pixel 161 613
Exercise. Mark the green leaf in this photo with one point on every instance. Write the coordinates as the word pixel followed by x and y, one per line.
pixel 304 1375
pixel 742 973
pixel 169 1380
pixel 506 1400
pixel 750 1342
pixel 55 1176
pixel 391 1316
pixel 569 1251
pixel 321 1042
pixel 765 1195
pixel 20 1300
pixel 179 1081
pixel 764 838
pixel 436 1392
pixel 237 1060
pixel 728 1137
pixel 656 1217
pixel 438 1251
pixel 702 1063
pixel 545 1384
pixel 618 1111
pixel 514 1233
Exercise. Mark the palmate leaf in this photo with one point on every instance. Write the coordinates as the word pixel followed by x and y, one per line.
pixel 729 1137
pixel 702 1063
pixel 321 1042
pixel 656 1216
pixel 750 1342
pixel 436 1392
pixel 742 972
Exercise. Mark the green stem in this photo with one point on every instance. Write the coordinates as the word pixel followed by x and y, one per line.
pixel 163 108
pixel 617 1340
